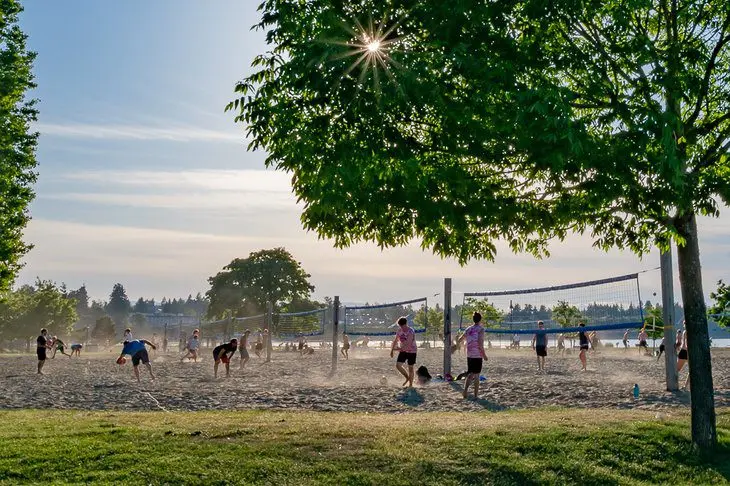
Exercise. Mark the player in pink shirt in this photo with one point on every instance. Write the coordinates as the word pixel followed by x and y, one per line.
pixel 475 354
pixel 405 339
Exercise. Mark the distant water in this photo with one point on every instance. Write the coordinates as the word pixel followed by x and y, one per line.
pixel 527 339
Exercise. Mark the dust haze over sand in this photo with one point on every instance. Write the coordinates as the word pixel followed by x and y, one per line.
pixel 291 381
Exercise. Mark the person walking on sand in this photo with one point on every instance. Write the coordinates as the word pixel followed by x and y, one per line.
pixel 678 341
pixel 561 344
pixel 137 350
pixel 405 342
pixel 584 343
pixel 662 347
pixel 192 348
pixel 682 355
pixel 539 344
pixel 243 349
pixel 475 354
pixel 223 354
pixel 626 339
pixel 42 346
pixel 345 346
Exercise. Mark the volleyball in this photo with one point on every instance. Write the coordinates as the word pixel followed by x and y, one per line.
pixel 121 360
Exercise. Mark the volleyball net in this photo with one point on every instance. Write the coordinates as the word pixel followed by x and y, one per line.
pixel 607 304
pixel 288 325
pixel 381 319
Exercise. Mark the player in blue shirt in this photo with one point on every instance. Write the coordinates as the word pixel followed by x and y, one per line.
pixel 136 349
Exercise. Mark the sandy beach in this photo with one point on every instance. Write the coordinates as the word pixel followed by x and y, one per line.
pixel 291 381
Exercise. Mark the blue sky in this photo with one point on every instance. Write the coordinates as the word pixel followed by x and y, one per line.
pixel 144 180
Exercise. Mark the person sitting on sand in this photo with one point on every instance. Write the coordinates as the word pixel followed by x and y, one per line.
pixel 626 339
pixel 643 336
pixel 136 349
pixel 76 349
pixel 307 350
pixel 405 342
pixel 58 345
pixel 192 348
pixel 345 346
pixel 539 344
pixel 243 349
pixel 584 343
pixel 42 346
pixel 475 354
pixel 223 353
pixel 424 377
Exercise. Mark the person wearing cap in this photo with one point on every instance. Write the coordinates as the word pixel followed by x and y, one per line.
pixel 405 342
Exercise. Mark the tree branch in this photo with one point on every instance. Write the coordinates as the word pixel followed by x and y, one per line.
pixel 705 86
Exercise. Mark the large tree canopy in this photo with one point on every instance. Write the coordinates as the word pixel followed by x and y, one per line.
pixel 246 284
pixel 462 123
pixel 17 142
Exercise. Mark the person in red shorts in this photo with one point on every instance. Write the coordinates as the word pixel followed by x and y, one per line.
pixel 223 354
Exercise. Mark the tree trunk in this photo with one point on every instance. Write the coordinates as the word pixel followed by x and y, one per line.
pixel 704 434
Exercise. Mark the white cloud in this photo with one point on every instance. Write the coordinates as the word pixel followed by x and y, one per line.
pixel 138 132
pixel 218 180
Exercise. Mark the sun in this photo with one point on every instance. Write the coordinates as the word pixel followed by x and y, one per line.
pixel 373 46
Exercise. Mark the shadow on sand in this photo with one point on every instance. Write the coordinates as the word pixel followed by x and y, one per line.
pixel 483 402
pixel 410 397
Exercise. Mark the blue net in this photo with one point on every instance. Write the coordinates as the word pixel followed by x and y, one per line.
pixel 607 304
pixel 381 319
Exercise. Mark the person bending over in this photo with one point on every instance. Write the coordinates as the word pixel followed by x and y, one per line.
pixel 223 354
pixel 137 350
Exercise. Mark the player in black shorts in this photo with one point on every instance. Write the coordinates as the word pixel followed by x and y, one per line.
pixel 223 353
pixel 584 343
pixel 42 345
pixel 539 344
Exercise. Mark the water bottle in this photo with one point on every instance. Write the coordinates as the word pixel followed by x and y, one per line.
pixel 636 390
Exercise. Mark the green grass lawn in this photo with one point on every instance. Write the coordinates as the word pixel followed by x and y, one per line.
pixel 281 448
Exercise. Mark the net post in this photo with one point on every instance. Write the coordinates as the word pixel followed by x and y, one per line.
pixel 335 318
pixel 267 326
pixel 670 352
pixel 447 326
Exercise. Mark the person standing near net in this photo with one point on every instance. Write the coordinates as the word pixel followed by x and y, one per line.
pixel 539 344
pixel 475 354
pixel 345 346
pixel 643 336
pixel 405 339
pixel 243 349
pixel 626 339
pixel 561 344
pixel 584 343
pixel 223 354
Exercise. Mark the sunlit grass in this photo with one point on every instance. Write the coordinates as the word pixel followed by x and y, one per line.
pixel 543 446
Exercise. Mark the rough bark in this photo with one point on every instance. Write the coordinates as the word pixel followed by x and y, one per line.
pixel 704 434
